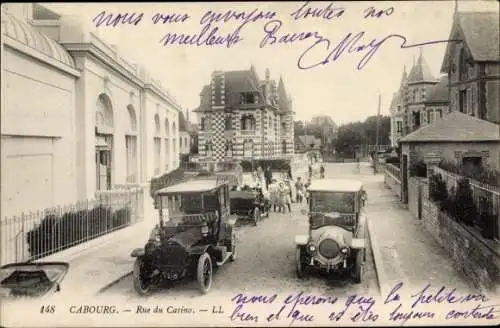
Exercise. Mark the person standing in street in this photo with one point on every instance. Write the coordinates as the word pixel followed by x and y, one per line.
pixel 310 171
pixel 274 194
pixel 299 187
pixel 322 171
pixel 268 176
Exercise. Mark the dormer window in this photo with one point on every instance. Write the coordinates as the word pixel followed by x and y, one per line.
pixel 249 98
pixel 399 108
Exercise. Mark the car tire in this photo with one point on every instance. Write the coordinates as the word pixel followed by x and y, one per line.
pixel 233 248
pixel 359 266
pixel 140 287
pixel 204 272
pixel 299 262
pixel 256 215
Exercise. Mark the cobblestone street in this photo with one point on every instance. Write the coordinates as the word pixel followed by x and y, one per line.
pixel 266 262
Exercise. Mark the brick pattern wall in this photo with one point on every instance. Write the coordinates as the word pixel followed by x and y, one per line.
pixel 477 259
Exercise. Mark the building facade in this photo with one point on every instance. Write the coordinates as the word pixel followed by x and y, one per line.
pixel 437 103
pixel 242 117
pixel 397 111
pixel 187 134
pixel 473 65
pixel 76 117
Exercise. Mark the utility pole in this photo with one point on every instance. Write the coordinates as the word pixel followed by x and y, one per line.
pixel 378 121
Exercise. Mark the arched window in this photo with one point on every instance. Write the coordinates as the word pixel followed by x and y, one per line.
pixel 229 148
pixel 462 64
pixel 157 145
pixel 174 142
pixel 131 146
pixel 104 128
pixel 248 148
pixel 167 144
pixel 228 123
pixel 248 122
pixel 208 149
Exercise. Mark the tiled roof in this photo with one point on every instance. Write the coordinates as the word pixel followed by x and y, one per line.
pixel 205 100
pixel 184 124
pixel 396 99
pixel 24 33
pixel 457 127
pixel 421 72
pixel 439 93
pixel 481 34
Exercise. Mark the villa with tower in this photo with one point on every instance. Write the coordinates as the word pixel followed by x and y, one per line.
pixel 241 117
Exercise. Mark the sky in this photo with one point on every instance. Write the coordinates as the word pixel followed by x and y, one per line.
pixel 337 89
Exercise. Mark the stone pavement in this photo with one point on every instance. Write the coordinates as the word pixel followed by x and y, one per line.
pixel 102 261
pixel 403 250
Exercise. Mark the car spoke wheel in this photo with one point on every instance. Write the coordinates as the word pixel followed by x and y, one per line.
pixel 233 249
pixel 256 215
pixel 299 262
pixel 359 267
pixel 204 273
pixel 143 282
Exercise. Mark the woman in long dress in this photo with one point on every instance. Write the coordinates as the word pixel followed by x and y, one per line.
pixel 284 199
pixel 273 190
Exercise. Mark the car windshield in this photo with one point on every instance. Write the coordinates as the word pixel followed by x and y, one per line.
pixel 326 202
pixel 190 203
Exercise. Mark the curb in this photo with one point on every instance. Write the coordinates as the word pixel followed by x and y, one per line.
pixel 377 258
pixel 114 282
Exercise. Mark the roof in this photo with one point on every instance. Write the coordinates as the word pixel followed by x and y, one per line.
pixel 26 34
pixel 421 72
pixel 481 34
pixel 456 127
pixel 200 185
pixel 439 93
pixel 336 185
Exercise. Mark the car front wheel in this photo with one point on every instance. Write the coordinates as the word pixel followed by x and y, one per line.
pixel 143 283
pixel 359 267
pixel 299 262
pixel 204 273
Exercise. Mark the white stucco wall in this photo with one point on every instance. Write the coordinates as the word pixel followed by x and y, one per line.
pixel 38 125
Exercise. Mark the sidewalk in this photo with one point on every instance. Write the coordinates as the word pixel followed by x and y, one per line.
pixel 101 262
pixel 403 250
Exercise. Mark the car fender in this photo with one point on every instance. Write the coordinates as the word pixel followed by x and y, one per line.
pixel 301 239
pixel 358 243
pixel 198 249
pixel 138 252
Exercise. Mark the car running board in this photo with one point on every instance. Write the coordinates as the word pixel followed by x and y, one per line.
pixel 224 260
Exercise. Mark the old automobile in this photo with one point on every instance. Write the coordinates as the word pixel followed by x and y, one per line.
pixel 31 279
pixel 249 203
pixel 194 234
pixel 335 242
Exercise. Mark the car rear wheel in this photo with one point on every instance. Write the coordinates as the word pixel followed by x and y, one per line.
pixel 256 215
pixel 204 273
pixel 359 267
pixel 143 283
pixel 299 262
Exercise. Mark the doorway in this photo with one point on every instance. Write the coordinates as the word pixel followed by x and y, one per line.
pixel 103 161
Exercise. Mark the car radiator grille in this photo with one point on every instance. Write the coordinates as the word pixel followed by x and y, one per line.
pixel 329 248
pixel 173 254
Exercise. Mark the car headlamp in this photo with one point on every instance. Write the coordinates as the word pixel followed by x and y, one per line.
pixel 344 250
pixel 311 248
pixel 204 230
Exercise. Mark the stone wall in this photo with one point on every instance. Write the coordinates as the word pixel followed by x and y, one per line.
pixel 478 259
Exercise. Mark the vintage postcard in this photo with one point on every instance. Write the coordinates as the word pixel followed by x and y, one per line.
pixel 240 163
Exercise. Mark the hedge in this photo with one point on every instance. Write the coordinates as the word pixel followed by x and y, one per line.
pixel 55 233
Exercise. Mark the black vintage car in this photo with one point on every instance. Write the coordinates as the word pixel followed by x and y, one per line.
pixel 195 233
pixel 249 203
pixel 32 279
